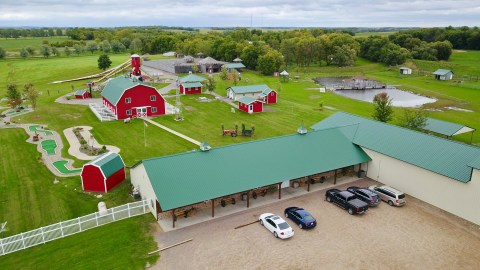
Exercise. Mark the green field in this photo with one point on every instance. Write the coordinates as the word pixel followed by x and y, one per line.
pixel 15 44
pixel 30 200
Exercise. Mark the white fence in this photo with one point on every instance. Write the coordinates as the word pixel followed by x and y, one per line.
pixel 69 227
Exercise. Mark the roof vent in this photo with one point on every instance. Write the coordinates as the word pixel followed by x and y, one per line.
pixel 302 130
pixel 204 146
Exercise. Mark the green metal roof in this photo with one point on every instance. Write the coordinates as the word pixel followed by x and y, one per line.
pixel 115 88
pixel 188 178
pixel 246 100
pixel 80 92
pixel 475 164
pixel 235 65
pixel 192 78
pixel 439 155
pixel 258 88
pixel 193 84
pixel 442 72
pixel 109 163
pixel 442 127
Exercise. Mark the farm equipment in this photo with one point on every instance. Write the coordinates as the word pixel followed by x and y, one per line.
pixel 247 132
pixel 231 132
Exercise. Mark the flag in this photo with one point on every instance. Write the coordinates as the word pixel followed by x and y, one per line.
pixel 145 123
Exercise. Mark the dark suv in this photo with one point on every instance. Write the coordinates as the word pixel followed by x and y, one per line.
pixel 366 195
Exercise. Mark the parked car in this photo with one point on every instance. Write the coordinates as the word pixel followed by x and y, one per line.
pixel 300 216
pixel 389 195
pixel 366 195
pixel 277 225
pixel 346 200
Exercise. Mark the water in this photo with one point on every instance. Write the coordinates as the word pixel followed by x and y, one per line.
pixel 399 98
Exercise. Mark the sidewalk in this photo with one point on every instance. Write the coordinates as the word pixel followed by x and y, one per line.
pixel 75 145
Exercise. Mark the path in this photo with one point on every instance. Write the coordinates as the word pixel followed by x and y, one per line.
pixel 172 131
pixel 75 145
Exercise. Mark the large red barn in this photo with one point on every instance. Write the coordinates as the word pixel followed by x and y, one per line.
pixel 250 105
pixel 127 97
pixel 103 173
pixel 191 84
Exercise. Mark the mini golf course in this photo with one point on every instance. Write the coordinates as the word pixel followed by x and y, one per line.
pixel 60 166
pixel 35 129
pixel 49 146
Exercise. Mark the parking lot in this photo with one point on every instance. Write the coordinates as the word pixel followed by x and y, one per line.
pixel 416 236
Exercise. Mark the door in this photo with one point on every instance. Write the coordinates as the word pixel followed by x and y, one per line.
pixel 142 112
pixel 250 108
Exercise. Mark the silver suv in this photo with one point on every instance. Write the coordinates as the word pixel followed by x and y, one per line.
pixel 390 195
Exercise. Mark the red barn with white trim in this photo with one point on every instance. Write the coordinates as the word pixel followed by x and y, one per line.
pixel 82 94
pixel 250 105
pixel 103 173
pixel 191 84
pixel 127 97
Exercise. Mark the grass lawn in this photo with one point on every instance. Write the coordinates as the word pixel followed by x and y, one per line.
pixel 15 44
pixel 120 245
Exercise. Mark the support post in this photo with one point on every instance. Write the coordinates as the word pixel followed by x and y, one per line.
pixel 308 183
pixel 248 199
pixel 213 207
pixel 279 191
pixel 335 178
pixel 471 137
pixel 173 218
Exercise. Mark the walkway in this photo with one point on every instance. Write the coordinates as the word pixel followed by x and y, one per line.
pixel 75 145
pixel 172 131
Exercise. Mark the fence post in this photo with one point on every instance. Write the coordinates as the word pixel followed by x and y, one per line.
pixel 61 228
pixel 1 245
pixel 23 241
pixel 79 224
pixel 96 217
pixel 113 214
pixel 128 206
pixel 144 203
pixel 43 235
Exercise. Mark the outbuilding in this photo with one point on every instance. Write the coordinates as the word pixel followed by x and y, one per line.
pixel 259 92
pixel 82 94
pixel 250 105
pixel 443 74
pixel 191 84
pixel 127 97
pixel 103 173
pixel 405 71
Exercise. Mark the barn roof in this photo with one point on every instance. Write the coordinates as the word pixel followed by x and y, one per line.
pixel 115 88
pixel 215 173
pixel 234 65
pixel 449 158
pixel 192 78
pixel 246 100
pixel 257 88
pixel 109 163
pixel 193 84
pixel 80 92
pixel 442 72
pixel 446 128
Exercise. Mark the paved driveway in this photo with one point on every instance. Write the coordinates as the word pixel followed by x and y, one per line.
pixel 416 236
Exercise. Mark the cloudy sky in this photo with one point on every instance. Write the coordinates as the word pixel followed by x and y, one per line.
pixel 240 13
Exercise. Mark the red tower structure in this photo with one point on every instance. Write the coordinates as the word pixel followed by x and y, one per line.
pixel 136 65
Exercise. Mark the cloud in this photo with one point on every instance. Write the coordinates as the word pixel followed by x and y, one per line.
pixel 198 13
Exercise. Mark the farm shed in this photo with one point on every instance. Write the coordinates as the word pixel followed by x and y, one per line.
pixel 443 74
pixel 439 171
pixel 103 173
pixel 191 84
pixel 216 173
pixel 82 94
pixel 126 97
pixel 250 105
pixel 447 129
pixel 231 66
pixel 260 92
pixel 405 71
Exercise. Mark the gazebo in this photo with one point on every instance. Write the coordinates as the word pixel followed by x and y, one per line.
pixel 237 60
pixel 284 75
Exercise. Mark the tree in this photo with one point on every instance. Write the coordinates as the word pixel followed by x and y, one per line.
pixel 14 97
pixel 235 78
pixel 31 94
pixel 414 119
pixel 117 46
pixel 92 46
pixel 136 46
pixel 270 62
pixel 104 62
pixel 444 49
pixel 210 84
pixel 67 51
pixel 105 46
pixel 45 50
pixel 23 53
pixel 224 73
pixel 2 53
pixel 344 56
pixel 55 51
pixel 78 49
pixel 59 32
pixel 195 67
pixel 31 51
pixel 392 54
pixel 383 111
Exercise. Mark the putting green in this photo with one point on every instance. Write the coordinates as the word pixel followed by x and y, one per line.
pixel 49 146
pixel 35 129
pixel 60 165
pixel 15 112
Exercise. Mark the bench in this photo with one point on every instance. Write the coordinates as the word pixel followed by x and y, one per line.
pixel 226 201
pixel 181 213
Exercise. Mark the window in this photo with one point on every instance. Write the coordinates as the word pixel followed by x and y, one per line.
pixel 129 112
pixel 271 93
pixel 153 98
pixel 128 100
pixel 154 109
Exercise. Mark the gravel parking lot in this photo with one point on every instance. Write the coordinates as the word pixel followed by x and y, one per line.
pixel 416 236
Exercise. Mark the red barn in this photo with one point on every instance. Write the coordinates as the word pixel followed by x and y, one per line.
pixel 250 105
pixel 103 173
pixel 126 97
pixel 82 94
pixel 191 84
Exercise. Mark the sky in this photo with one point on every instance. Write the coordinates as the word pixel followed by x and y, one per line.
pixel 240 13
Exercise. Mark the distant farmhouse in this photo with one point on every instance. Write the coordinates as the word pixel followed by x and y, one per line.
pixel 185 65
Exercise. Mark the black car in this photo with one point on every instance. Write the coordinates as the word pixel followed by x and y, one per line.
pixel 346 200
pixel 366 195
pixel 301 216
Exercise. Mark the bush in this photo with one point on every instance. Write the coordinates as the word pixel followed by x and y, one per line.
pixel 82 141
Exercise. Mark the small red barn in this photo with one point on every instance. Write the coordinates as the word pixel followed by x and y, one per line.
pixel 103 173
pixel 191 84
pixel 269 97
pixel 127 97
pixel 82 94
pixel 250 105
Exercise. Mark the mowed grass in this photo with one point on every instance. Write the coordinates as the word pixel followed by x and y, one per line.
pixel 120 245
pixel 15 44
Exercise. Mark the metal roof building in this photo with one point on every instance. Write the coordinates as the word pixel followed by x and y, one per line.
pixel 448 129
